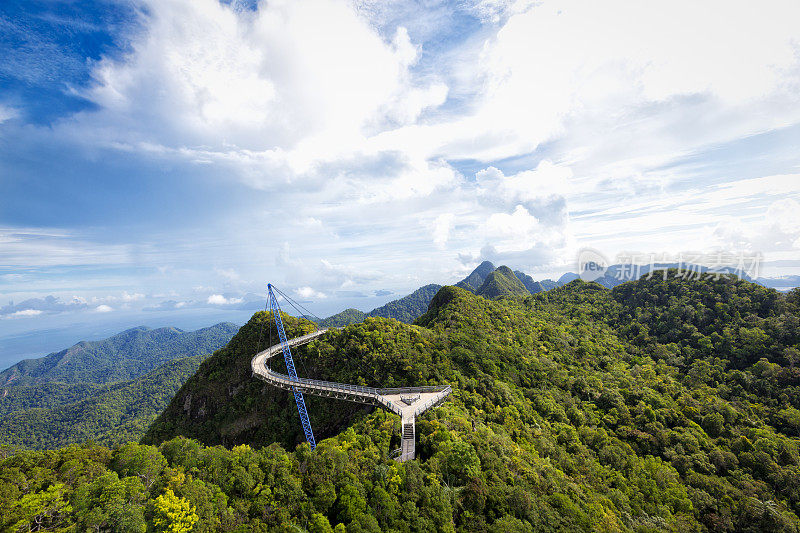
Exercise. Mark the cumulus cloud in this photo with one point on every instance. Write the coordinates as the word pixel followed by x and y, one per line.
pixel 582 62
pixel 542 191
pixel 308 292
pixel 167 305
pixel 103 308
pixel 36 306
pixel 25 313
pixel 219 299
pixel 286 85
pixel 513 232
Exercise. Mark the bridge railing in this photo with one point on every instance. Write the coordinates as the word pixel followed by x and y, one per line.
pixel 403 457
pixel 424 388
pixel 328 385
pixel 433 401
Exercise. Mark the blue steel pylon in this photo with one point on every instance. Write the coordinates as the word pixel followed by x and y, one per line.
pixel 287 356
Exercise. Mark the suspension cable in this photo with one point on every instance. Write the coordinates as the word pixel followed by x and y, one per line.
pixel 294 304
pixel 297 306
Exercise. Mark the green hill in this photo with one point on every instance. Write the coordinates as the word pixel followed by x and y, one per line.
pixel 124 356
pixel 224 404
pixel 345 318
pixel 530 284
pixel 408 308
pixel 577 409
pixel 501 282
pixel 111 414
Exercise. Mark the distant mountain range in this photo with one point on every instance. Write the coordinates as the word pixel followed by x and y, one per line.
pixel 108 391
pixel 782 283
pixel 493 282
pixel 122 357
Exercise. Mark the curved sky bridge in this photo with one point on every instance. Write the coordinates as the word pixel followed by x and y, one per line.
pixel 408 402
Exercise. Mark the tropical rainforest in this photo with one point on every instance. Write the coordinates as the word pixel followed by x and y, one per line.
pixel 107 391
pixel 109 414
pixel 664 404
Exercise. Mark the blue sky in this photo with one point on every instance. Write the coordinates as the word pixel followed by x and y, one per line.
pixel 161 161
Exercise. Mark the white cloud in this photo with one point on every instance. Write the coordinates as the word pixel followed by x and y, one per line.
pixel 25 313
pixel 515 232
pixel 229 274
pixel 24 246
pixel 542 190
pixel 7 113
pixel 49 304
pixel 103 308
pixel 308 292
pixel 219 299
pixel 127 297
pixel 777 230
pixel 603 62
pixel 784 216
pixel 360 138
pixel 289 84
pixel 441 228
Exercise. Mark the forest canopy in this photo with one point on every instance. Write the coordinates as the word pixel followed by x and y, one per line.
pixel 665 404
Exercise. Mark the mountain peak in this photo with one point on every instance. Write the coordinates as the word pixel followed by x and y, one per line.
pixel 502 282
pixel 473 282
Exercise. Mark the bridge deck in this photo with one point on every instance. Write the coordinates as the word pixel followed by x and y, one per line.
pixel 408 402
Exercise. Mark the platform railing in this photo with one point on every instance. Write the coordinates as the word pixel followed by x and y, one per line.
pixel 433 401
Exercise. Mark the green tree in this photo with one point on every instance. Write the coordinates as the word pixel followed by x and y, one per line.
pixel 43 510
pixel 143 461
pixel 460 462
pixel 319 524
pixel 109 503
pixel 173 514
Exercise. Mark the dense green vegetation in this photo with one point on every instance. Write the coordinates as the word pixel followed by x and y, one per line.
pixel 501 282
pixel 344 318
pixel 548 284
pixel 124 356
pixel 529 283
pixel 224 404
pixel 111 414
pixel 409 308
pixel 659 406
pixel 45 395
